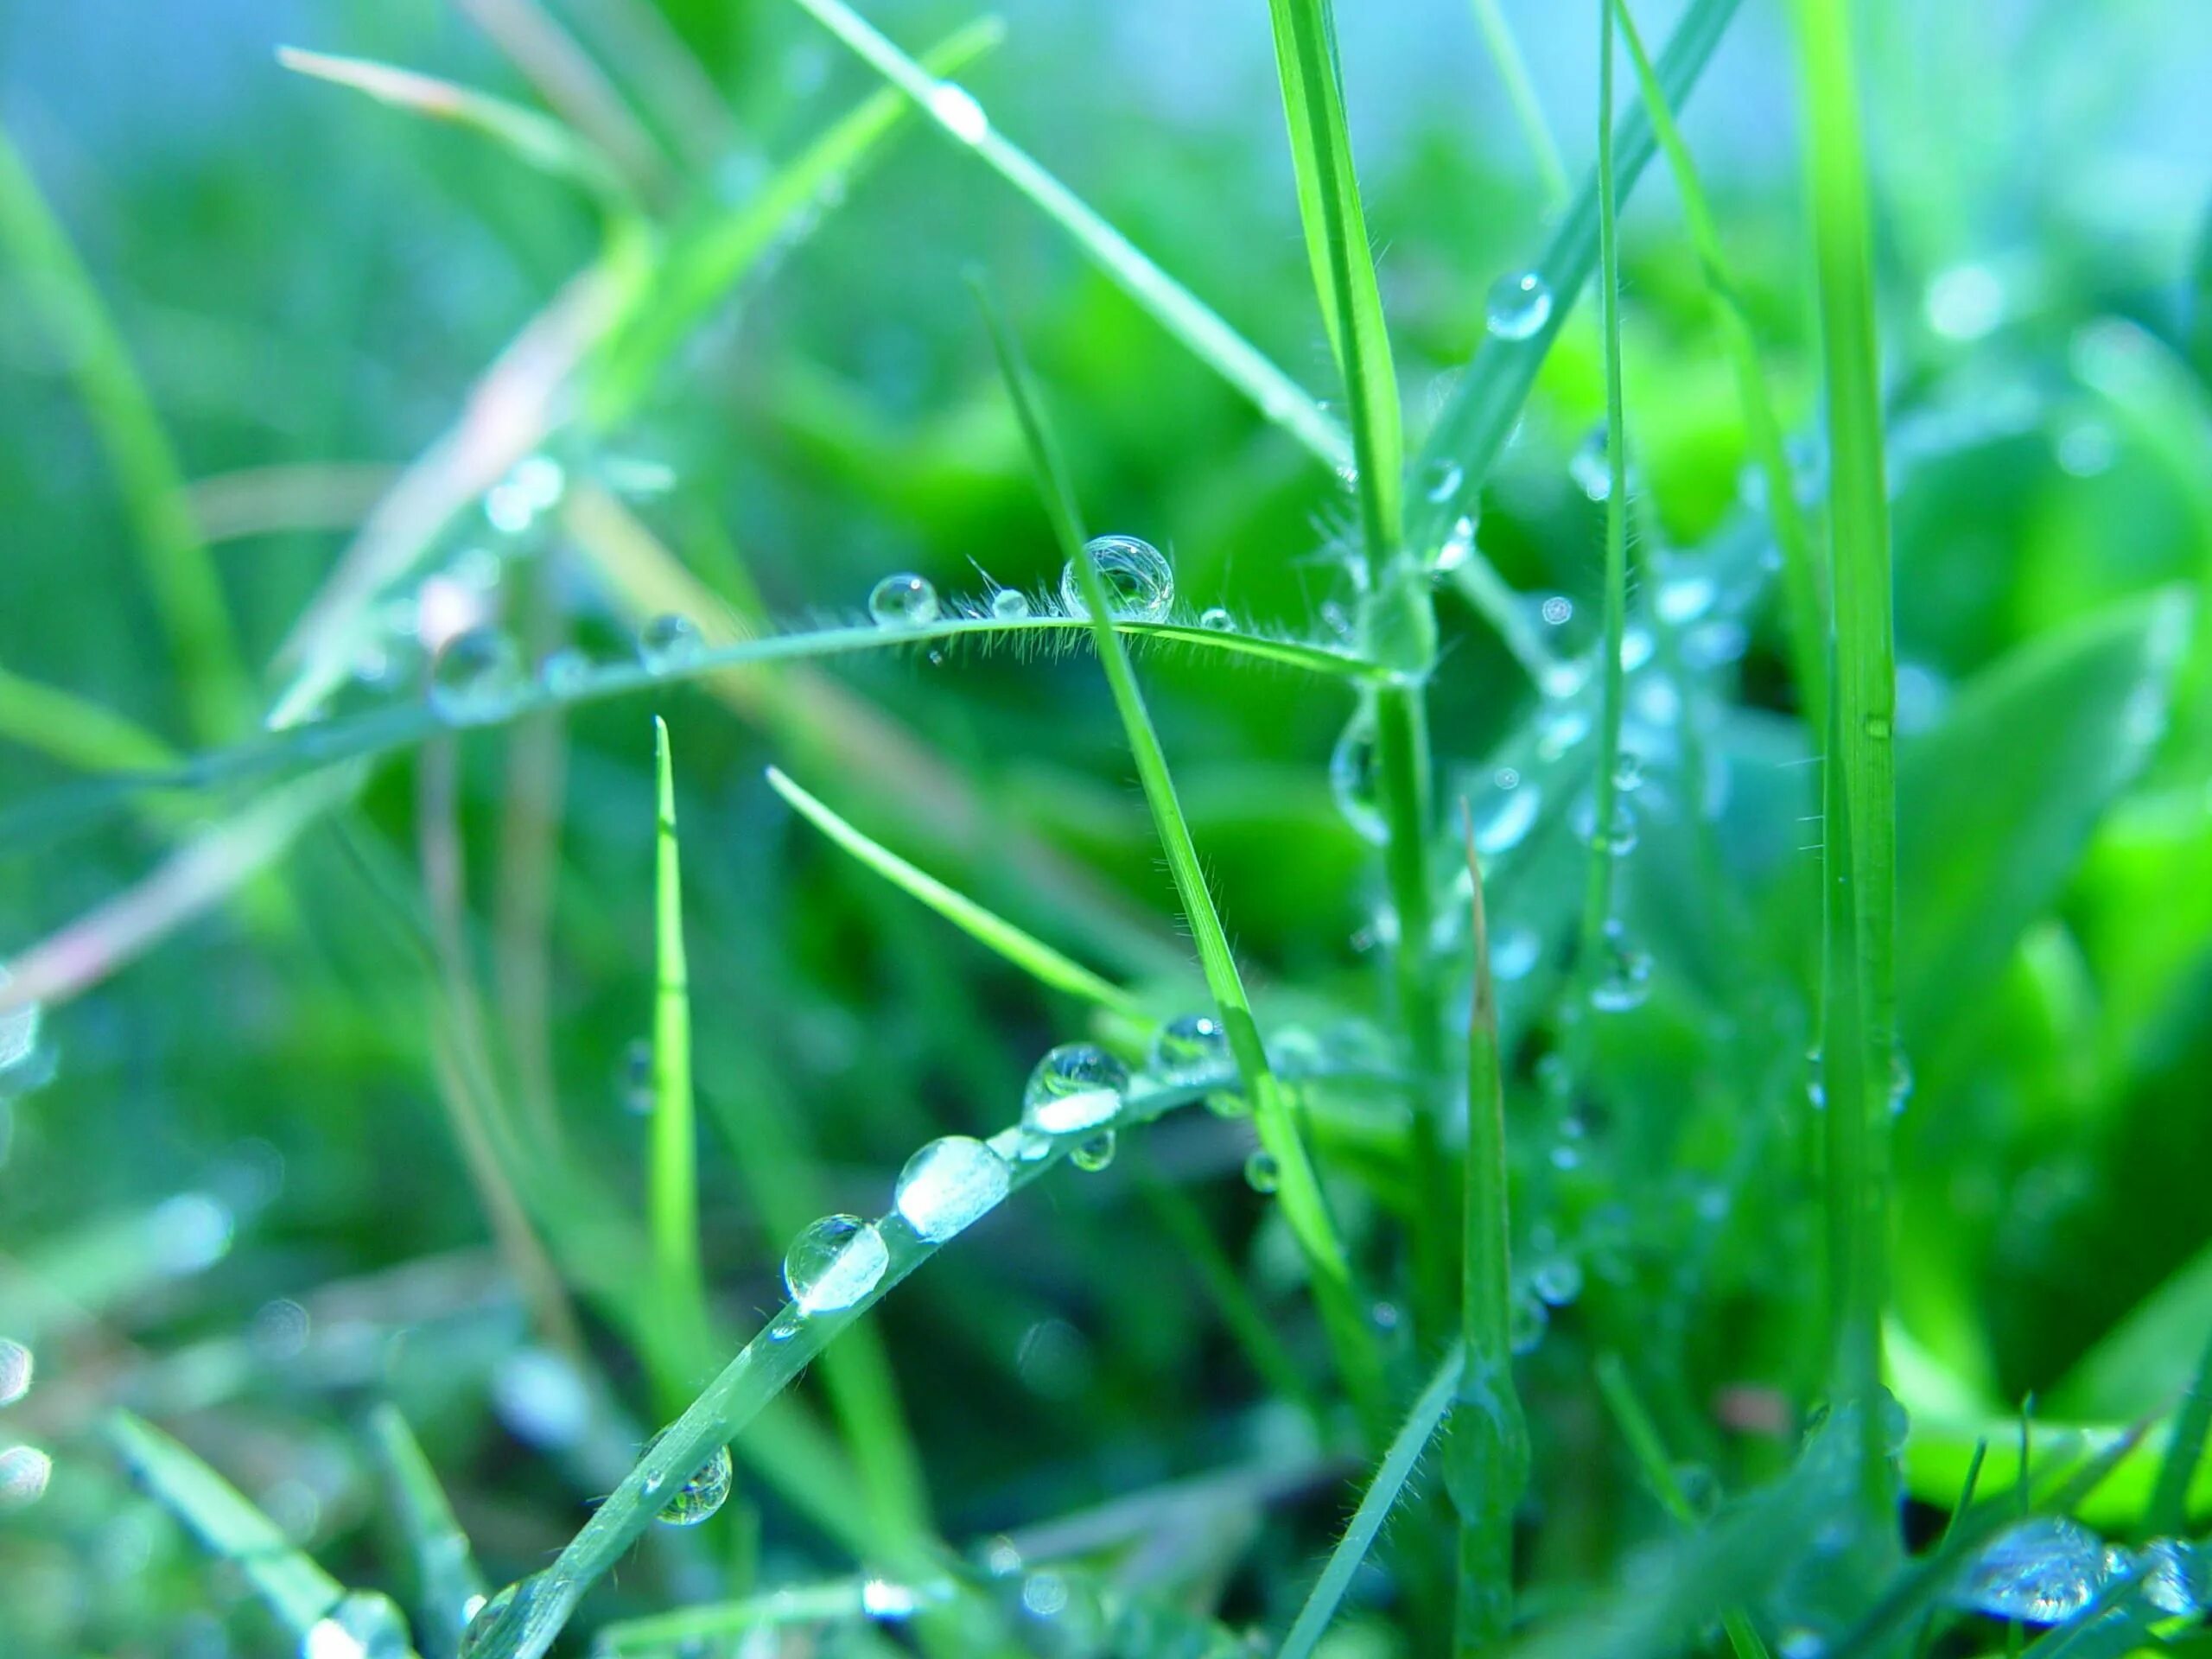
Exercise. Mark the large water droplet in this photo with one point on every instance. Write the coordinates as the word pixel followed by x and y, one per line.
pixel 1189 1048
pixel 532 486
pixel 1520 305
pixel 1010 605
pixel 2040 1572
pixel 1096 1152
pixel 1076 1087
pixel 16 1366
pixel 564 672
pixel 523 1600
pixel 670 642
pixel 2177 1577
pixel 833 1263
pixel 364 1625
pixel 950 1184
pixel 704 1492
pixel 1139 581
pixel 476 678
pixel 905 601
pixel 1215 620
pixel 1356 780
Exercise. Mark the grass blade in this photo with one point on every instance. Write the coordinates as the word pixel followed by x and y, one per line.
pixel 76 731
pixel 1276 395
pixel 1805 606
pixel 1298 1189
pixel 570 82
pixel 1857 1033
pixel 1375 1506
pixel 187 592
pixel 1472 429
pixel 2168 1511
pixel 448 1586
pixel 1031 955
pixel 1521 93
pixel 673 1182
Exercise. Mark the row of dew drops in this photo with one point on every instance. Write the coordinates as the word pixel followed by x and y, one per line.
pixel 1075 1097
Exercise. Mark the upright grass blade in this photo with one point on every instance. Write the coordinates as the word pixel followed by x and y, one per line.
pixel 1598 897
pixel 1521 93
pixel 187 593
pixel 1858 1029
pixel 1804 604
pixel 1276 395
pixel 1298 1189
pixel 1375 1506
pixel 2168 1511
pixel 1486 1460
pixel 567 78
pixel 1031 955
pixel 673 1184
pixel 1473 427
pixel 1650 1452
pixel 448 1587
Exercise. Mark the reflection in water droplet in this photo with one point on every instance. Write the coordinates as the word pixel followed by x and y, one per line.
pixel 949 1184
pixel 670 642
pixel 1139 581
pixel 1440 480
pixel 2040 1572
pixel 702 1492
pixel 1075 1088
pixel 1556 1279
pixel 1189 1047
pixel 881 1598
pixel 476 678
pixel 1590 468
pixel 1520 304
pixel 2177 1577
pixel 1010 605
pixel 1355 777
pixel 1096 1152
pixel 1457 550
pixel 905 601
pixel 364 1625
pixel 834 1263
pixel 1261 1173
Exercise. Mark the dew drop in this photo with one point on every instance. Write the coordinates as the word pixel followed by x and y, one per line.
pixel 532 486
pixel 16 1366
pixel 364 1625
pixel 1524 1328
pixel 2040 1572
pixel 564 672
pixel 1627 978
pixel 1797 1642
pixel 1590 468
pixel 1900 1082
pixel 1557 610
pixel 1076 1087
pixel 905 601
pixel 670 642
pixel 1520 305
pixel 1557 1279
pixel 882 1598
pixel 18 1031
pixel 1508 821
pixel 962 117
pixel 1355 777
pixel 950 1184
pixel 702 1493
pixel 1215 620
pixel 1513 953
pixel 1457 550
pixel 1441 478
pixel 635 1077
pixel 833 1263
pixel 24 1472
pixel 1010 605
pixel 1140 583
pixel 1628 770
pixel 476 678
pixel 1189 1047
pixel 2176 1578
pixel 1700 1487
pixel 1261 1173
pixel 1096 1152
pixel 522 1598
pixel 1685 598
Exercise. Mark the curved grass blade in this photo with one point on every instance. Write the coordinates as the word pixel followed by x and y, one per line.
pixel 1276 395
pixel 571 83
pixel 672 1185
pixel 1031 955
pixel 536 140
pixel 448 1589
pixel 1382 1496
pixel 186 589
pixel 1521 93
pixel 1298 1189
pixel 1468 435
pixel 76 731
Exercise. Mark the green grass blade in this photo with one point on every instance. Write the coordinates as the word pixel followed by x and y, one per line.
pixel 672 1186
pixel 76 731
pixel 538 140
pixel 1031 955
pixel 448 1586
pixel 1858 1035
pixel 1804 604
pixel 1597 897
pixel 1521 93
pixel 300 1593
pixel 1276 395
pixel 1472 429
pixel 1343 266
pixel 1299 1188
pixel 1488 1453
pixel 1375 1506
pixel 1650 1452
pixel 2168 1512
pixel 187 590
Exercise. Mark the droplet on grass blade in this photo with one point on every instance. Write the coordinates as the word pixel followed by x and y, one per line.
pixel 833 1263
pixel 704 1490
pixel 2040 1572
pixel 1139 581
pixel 905 601
pixel 949 1184
pixel 16 1366
pixel 670 642
pixel 1520 304
pixel 1076 1087
pixel 1010 605
pixel 1188 1047
pixel 476 678
pixel 1355 777
pixel 364 1625
pixel 1261 1173
pixel 1095 1153
pixel 1215 620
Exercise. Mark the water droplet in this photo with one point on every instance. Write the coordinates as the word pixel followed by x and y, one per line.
pixel 1556 1279
pixel 564 672
pixel 1626 980
pixel 1700 1487
pixel 1618 837
pixel 1010 605
pixel 1590 468
pixel 1508 821
pixel 950 1184
pixel 963 117
pixel 1628 770
pixel 1216 620
pixel 635 1076
pixel 523 1600
pixel 905 601
pixel 670 642
pixel 881 1598
pixel 1799 1643
pixel 1044 1595
pixel 1457 550
pixel 1557 610
pixel 702 1493
pixel 2040 1572
pixel 476 678
pixel 1191 1046
pixel 1514 951
pixel 18 1030
pixel 1261 1173
pixel 1965 301
pixel 364 1625
pixel 2176 1578
pixel 24 1472
pixel 1095 1153
pixel 1355 777
pixel 1076 1087
pixel 1440 480
pixel 833 1263
pixel 1900 1081
pixel 16 1366
pixel 1524 1328
pixel 1685 598
pixel 1139 581
pixel 532 486
pixel 1520 305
